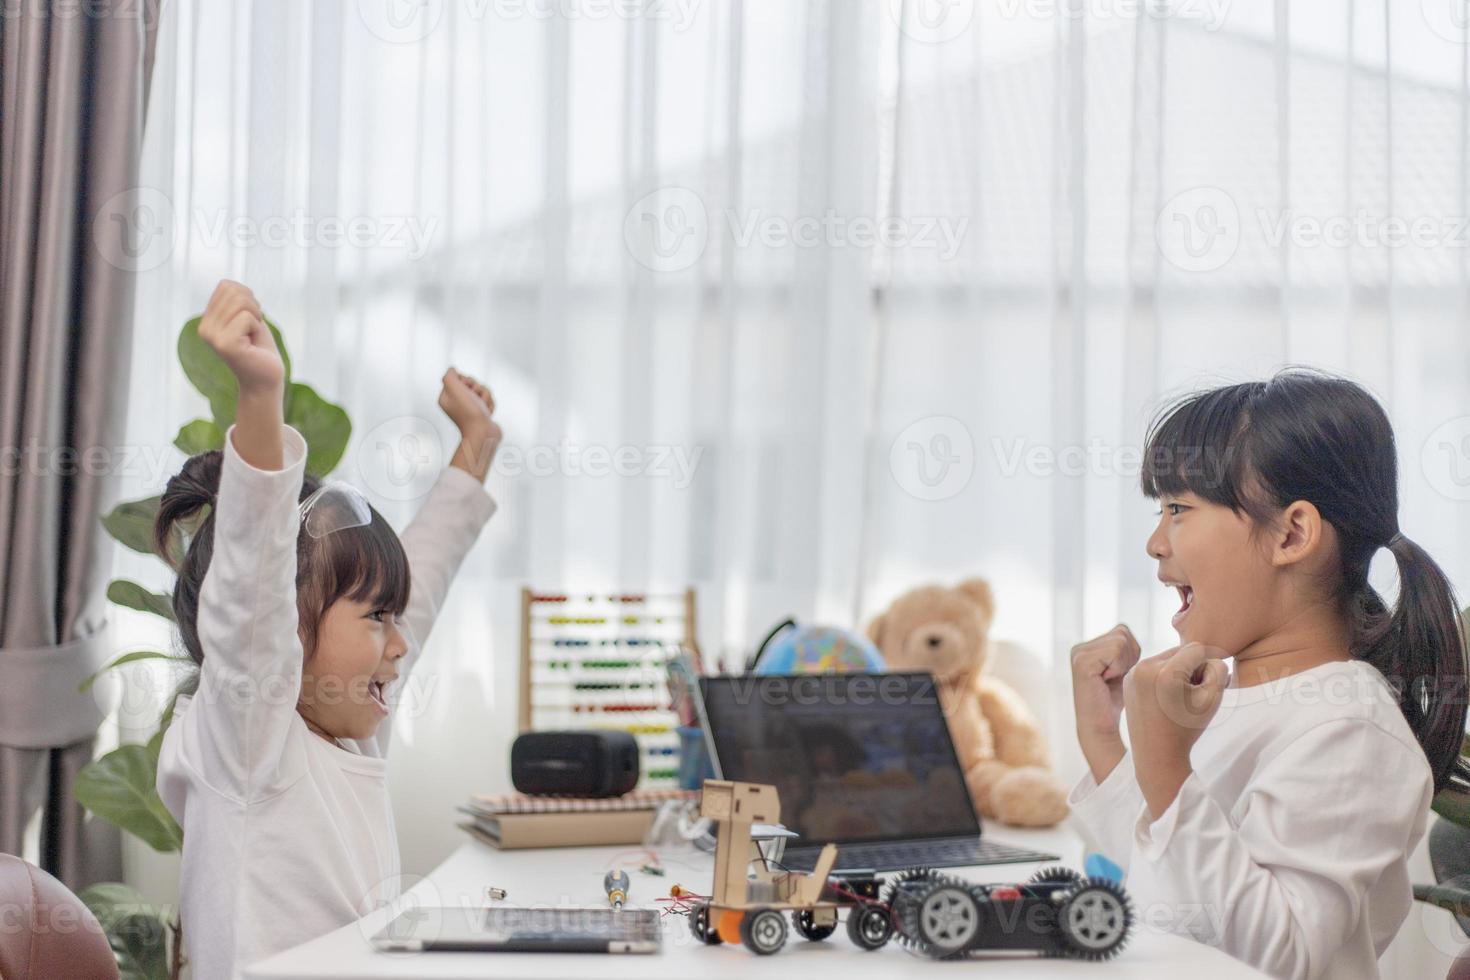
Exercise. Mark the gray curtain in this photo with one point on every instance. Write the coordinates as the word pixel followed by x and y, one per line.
pixel 72 84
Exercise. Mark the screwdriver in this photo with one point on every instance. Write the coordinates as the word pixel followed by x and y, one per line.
pixel 616 885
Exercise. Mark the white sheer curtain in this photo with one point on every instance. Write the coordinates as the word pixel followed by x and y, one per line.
pixel 865 292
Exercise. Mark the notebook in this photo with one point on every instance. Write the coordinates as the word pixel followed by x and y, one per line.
pixel 516 821
pixel 644 799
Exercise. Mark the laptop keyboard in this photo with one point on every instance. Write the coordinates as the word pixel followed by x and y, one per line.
pixel 954 852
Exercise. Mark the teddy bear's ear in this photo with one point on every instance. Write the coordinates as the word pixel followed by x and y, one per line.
pixel 977 590
pixel 875 631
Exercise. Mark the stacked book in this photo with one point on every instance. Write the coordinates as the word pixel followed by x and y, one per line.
pixel 517 821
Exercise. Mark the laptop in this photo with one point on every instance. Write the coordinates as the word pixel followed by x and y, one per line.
pixel 861 760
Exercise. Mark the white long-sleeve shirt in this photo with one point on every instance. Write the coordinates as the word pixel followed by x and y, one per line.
pixel 1288 846
pixel 286 836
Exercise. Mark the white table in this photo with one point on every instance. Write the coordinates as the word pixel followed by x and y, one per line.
pixel 572 877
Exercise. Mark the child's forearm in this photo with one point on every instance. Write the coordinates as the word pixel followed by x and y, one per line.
pixel 258 421
pixel 474 455
pixel 1102 754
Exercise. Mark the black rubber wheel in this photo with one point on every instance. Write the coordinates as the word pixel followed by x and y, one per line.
pixel 1054 875
pixel 805 922
pixel 1095 918
pixel 763 931
pixel 869 927
pixel 700 928
pixel 948 919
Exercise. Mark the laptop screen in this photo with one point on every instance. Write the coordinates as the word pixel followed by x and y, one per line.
pixel 855 757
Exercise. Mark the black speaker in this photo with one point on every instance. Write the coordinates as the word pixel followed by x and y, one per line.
pixel 574 763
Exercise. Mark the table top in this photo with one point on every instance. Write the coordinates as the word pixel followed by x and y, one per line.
pixel 572 878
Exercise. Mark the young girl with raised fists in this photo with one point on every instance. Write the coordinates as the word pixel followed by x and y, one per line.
pixel 1271 810
pixel 303 626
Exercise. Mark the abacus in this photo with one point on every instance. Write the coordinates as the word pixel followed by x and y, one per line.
pixel 600 661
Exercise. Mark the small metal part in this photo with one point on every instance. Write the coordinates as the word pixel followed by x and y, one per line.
pixel 493 894
pixel 615 883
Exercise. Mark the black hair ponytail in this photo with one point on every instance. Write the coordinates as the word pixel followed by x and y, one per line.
pixel 1306 435
pixel 183 534
pixel 1420 647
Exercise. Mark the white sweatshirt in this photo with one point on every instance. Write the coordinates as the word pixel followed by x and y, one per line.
pixel 1288 846
pixel 286 836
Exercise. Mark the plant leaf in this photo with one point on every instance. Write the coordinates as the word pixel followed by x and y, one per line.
pixel 155 744
pixel 134 596
pixel 211 377
pixel 140 943
pixel 199 436
pixel 134 928
pixel 1447 895
pixel 131 524
pixel 325 427
pixel 1453 804
pixel 119 788
pixel 128 658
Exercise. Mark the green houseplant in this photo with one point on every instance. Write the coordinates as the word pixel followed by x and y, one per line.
pixel 1449 842
pixel 120 786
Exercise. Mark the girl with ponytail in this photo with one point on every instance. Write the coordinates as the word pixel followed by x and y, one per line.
pixel 1270 809
pixel 305 612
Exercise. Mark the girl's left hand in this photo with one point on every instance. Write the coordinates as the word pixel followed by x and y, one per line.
pixel 469 404
pixel 1169 700
pixel 471 407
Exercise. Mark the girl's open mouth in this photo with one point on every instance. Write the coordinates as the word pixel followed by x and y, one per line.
pixel 1186 597
pixel 379 699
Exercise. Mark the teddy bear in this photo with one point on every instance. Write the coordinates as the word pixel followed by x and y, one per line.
pixel 945 631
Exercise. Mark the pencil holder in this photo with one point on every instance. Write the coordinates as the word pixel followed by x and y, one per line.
pixel 694 762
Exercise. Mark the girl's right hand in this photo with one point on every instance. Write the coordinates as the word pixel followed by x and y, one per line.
pixel 1098 667
pixel 234 328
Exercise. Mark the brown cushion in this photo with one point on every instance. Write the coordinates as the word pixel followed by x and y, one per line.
pixel 45 931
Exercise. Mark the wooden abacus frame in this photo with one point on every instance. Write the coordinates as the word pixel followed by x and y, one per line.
pixel 630 608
